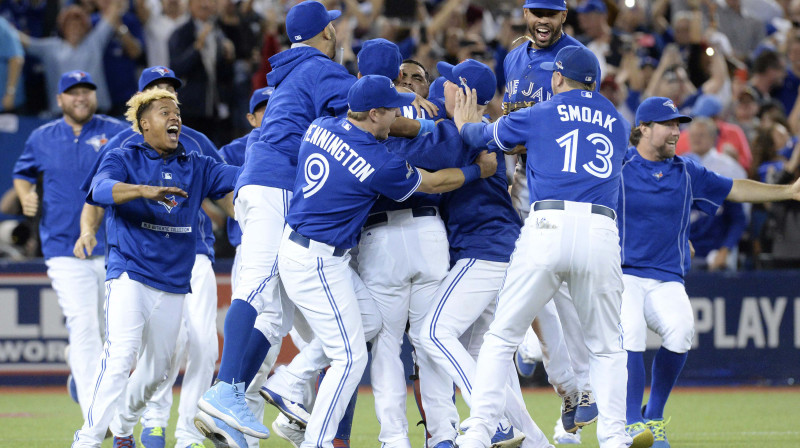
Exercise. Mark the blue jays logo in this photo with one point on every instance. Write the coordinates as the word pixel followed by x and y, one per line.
pixel 410 170
pixel 97 141
pixel 658 175
pixel 172 200
pixel 77 75
pixel 163 71
pixel 671 105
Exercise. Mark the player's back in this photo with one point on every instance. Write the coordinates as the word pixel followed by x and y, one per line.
pixel 575 147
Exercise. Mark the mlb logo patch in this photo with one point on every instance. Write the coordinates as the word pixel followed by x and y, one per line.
pixel 588 79
pixel 167 176
pixel 586 94
pixel 559 65
pixel 298 37
pixel 347 125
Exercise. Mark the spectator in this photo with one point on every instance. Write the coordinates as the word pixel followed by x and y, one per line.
pixel 670 79
pixel 12 58
pixel 730 138
pixel 715 238
pixel 744 33
pixel 786 217
pixel 81 48
pixel 159 26
pixel 202 56
pixel 120 59
pixel 598 36
pixel 745 112
pixel 787 94
pixel 768 73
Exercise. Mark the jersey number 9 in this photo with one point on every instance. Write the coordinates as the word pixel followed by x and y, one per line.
pixel 316 171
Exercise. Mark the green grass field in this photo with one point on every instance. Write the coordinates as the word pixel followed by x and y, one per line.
pixel 720 417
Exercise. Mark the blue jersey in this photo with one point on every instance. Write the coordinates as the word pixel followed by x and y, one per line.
pixel 411 112
pixel 342 170
pixel 576 142
pixel 63 160
pixel 307 85
pixel 655 204
pixel 525 80
pixel 147 239
pixel 481 222
pixel 233 154
pixel 192 141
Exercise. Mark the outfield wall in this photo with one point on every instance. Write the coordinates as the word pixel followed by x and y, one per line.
pixel 747 327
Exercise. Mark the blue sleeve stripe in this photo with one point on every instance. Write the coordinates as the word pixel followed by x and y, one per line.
pixel 496 138
pixel 419 181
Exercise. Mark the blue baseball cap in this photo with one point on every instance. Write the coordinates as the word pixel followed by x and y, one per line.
pixel 575 62
pixel 659 109
pixel 707 106
pixel 158 73
pixel 474 74
pixel 374 91
pixel 76 77
pixel 380 57
pixel 307 19
pixel 592 6
pixel 259 97
pixel 557 5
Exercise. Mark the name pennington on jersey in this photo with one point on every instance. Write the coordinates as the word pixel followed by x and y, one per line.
pixel 334 146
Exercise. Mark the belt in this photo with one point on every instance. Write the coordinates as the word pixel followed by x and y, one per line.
pixel 382 217
pixel 597 209
pixel 305 242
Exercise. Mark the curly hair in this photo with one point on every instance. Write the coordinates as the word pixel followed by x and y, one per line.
pixel 140 103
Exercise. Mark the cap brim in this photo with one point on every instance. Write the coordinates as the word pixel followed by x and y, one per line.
pixel 334 14
pixel 446 70
pixel 85 84
pixel 402 99
pixel 549 66
pixel 537 5
pixel 176 83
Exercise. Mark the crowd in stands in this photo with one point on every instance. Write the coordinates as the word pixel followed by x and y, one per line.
pixel 736 63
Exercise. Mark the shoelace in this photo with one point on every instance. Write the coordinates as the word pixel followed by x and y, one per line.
pixel 124 442
pixel 657 426
pixel 568 404
pixel 585 399
pixel 241 405
pixel 157 431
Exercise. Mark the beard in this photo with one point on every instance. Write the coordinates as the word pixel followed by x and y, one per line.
pixel 555 34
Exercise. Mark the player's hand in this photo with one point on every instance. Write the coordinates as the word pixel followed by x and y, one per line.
pixel 795 190
pixel 466 108
pixel 8 101
pixel 30 204
pixel 519 149
pixel 201 36
pixel 84 245
pixel 691 250
pixel 720 260
pixel 488 163
pixel 421 104
pixel 160 194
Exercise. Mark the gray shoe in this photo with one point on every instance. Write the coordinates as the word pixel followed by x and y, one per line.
pixel 288 430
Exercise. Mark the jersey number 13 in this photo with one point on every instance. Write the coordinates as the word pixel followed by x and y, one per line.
pixel 603 152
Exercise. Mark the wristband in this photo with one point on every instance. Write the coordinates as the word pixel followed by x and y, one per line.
pixel 471 173
pixel 425 126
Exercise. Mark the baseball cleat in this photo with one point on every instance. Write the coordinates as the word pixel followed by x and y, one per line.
pixel 124 442
pixel 659 433
pixel 296 412
pixel 72 387
pixel 563 437
pixel 153 437
pixel 196 445
pixel 506 437
pixel 226 402
pixel 525 368
pixel 586 414
pixel 445 444
pixel 218 432
pixel 641 435
pixel 291 432
pixel 569 406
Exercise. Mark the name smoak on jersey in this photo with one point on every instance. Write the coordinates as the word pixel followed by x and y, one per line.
pixel 341 151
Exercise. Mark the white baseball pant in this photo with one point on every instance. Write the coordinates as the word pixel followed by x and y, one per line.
pixel 581 248
pixel 663 307
pixel 139 319
pixel 79 287
pixel 261 213
pixel 321 287
pixel 291 381
pixel 564 355
pixel 198 346
pixel 468 292
pixel 402 263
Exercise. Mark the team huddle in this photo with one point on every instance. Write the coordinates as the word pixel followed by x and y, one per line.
pixel 367 208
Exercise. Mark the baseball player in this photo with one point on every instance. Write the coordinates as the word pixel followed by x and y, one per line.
pixel 152 192
pixel 63 151
pixel 574 142
pixel 308 84
pixel 658 192
pixel 565 357
pixel 464 303
pixel 324 222
pixel 197 340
